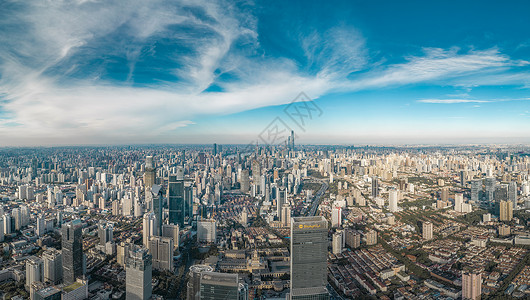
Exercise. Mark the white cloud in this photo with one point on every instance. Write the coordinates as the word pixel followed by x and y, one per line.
pixel 436 64
pixel 456 101
pixel 48 103
pixel 451 101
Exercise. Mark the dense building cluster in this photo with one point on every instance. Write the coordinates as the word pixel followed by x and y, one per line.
pixel 264 222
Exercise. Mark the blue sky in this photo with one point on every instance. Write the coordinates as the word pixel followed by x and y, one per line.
pixel 382 72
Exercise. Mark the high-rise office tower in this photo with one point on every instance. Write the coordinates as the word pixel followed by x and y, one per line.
pixel 292 140
pixel 427 230
pixel 34 271
pixel 490 183
pixel 256 171
pixel 161 249
pixel 214 151
pixel 371 237
pixel 281 199
pixel 219 286
pixel 393 200
pixel 188 202
pixel 505 210
pixel 194 283
pixel 105 233
pixel 512 193
pixel 149 228
pixel 72 251
pixel 309 247
pixel 53 265
pixel 463 178
pixel 263 184
pixel 207 231
pixel 501 193
pixel 244 181
pixel 476 189
pixel 336 217
pixel 154 196
pixel 150 174
pixel 471 285
pixel 375 187
pixel 175 198
pixel 171 231
pixel 138 274
pixel 286 215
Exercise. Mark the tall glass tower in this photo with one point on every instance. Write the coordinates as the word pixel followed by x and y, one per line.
pixel 175 198
pixel 309 249
pixel 72 251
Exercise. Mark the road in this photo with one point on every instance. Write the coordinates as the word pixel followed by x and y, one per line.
pixel 318 196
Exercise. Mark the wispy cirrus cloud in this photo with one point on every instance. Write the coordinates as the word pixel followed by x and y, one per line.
pixel 451 101
pixel 128 71
pixel 438 64
pixel 457 101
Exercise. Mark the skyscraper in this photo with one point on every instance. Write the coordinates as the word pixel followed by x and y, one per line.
pixel 375 187
pixel 149 175
pixel 393 201
pixel 490 183
pixel 155 197
pixel 220 286
pixel 194 283
pixel 445 194
pixel 171 231
pixel 256 171
pixel 459 201
pixel 336 216
pixel 175 197
pixel 53 266
pixel 41 229
pixel 309 247
pixel 427 230
pixel 1 228
pixel 138 274
pixel 244 181
pixel 353 238
pixel 34 271
pixel 207 231
pixel 161 249
pixel 476 189
pixel 506 211
pixel 336 243
pixel 292 140
pixel 281 199
pixel 512 193
pixel 149 228
pixel 371 237
pixel 105 233
pixel 471 285
pixel 72 251
pixel 286 215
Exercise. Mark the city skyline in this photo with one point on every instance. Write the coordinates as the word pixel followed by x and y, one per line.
pixel 192 73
